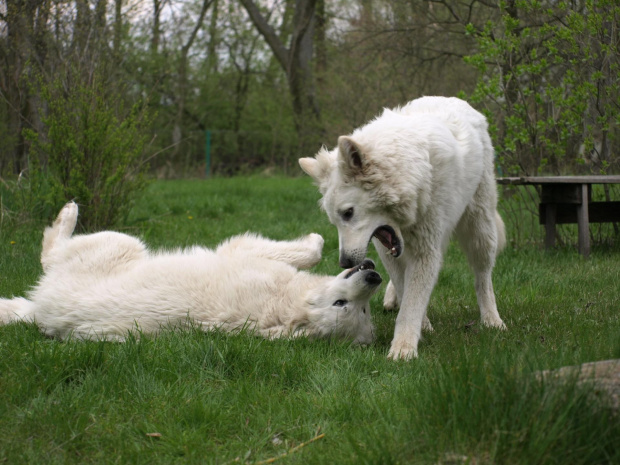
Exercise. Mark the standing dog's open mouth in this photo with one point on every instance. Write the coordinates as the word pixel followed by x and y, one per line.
pixel 388 237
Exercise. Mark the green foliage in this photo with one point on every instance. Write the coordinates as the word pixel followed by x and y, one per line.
pixel 550 81
pixel 471 397
pixel 91 151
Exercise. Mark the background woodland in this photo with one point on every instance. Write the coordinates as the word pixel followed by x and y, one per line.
pixel 97 95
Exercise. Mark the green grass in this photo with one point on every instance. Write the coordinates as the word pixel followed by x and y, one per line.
pixel 216 398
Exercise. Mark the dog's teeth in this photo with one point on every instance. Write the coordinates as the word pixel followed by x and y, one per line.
pixel 393 251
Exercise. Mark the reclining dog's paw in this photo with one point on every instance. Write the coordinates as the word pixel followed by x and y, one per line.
pixel 316 239
pixel 67 219
pixel 315 247
pixel 390 299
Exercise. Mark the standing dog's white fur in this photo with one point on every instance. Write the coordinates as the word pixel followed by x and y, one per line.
pixel 408 180
pixel 106 284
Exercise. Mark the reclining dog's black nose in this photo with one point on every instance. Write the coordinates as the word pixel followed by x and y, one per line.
pixel 373 278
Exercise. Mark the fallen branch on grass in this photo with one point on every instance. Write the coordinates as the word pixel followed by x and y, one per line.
pixel 291 451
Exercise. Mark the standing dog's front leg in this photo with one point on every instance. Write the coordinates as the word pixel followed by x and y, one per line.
pixel 419 280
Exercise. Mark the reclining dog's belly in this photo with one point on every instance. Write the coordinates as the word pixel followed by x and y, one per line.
pixel 196 285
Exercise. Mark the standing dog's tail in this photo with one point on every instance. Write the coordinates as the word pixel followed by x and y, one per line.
pixel 501 232
pixel 17 309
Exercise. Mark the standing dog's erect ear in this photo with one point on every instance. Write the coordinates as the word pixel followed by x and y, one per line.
pixel 352 158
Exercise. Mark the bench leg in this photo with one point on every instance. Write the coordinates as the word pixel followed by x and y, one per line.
pixel 550 215
pixel 583 223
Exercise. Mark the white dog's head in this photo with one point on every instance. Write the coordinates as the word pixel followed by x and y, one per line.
pixel 370 191
pixel 340 306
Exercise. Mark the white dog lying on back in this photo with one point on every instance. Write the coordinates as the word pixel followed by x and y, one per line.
pixel 408 180
pixel 101 286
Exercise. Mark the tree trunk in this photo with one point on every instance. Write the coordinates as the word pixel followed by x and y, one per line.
pixel 118 31
pixel 157 4
pixel 182 82
pixel 26 26
pixel 296 63
pixel 213 39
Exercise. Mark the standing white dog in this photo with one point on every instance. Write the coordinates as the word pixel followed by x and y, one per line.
pixel 101 286
pixel 408 179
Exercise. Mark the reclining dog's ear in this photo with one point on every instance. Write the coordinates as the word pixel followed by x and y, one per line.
pixel 311 167
pixel 352 159
pixel 318 168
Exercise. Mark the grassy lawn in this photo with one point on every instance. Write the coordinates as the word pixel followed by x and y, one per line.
pixel 194 397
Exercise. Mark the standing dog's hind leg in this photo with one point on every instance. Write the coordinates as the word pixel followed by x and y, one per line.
pixel 480 234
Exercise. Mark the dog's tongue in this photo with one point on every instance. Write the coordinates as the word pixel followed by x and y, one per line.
pixel 385 237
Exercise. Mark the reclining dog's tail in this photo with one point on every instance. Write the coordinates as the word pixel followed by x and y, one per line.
pixel 20 309
pixel 501 232
pixel 16 309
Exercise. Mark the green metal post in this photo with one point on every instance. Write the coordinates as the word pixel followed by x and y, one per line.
pixel 208 155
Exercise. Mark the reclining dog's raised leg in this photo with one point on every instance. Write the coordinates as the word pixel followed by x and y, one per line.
pixel 61 230
pixel 390 299
pixel 301 253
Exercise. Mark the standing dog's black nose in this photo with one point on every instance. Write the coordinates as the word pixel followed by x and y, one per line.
pixel 346 262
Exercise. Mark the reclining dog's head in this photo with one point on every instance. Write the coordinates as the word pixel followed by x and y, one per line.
pixel 340 307
pixel 369 191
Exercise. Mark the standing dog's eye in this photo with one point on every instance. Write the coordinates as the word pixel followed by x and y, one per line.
pixel 347 214
pixel 340 303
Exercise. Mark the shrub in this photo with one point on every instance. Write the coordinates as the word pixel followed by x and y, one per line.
pixel 91 151
pixel 550 81
pixel 550 86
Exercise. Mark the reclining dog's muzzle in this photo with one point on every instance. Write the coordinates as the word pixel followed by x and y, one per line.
pixel 367 264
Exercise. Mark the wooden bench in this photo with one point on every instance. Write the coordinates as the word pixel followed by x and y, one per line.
pixel 568 199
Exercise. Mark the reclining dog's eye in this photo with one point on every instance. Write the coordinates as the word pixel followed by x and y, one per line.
pixel 340 303
pixel 347 214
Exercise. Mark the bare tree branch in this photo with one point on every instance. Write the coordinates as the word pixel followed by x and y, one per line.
pixel 281 53
pixel 205 6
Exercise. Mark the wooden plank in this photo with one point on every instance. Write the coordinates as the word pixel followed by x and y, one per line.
pixel 583 223
pixel 533 180
pixel 510 181
pixel 598 212
pixel 550 219
pixel 562 193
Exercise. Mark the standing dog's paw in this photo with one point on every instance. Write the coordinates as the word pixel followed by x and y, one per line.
pixel 402 351
pixel 493 322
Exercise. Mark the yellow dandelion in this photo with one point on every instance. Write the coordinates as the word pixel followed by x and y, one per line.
pixel 190 217
pixel 13 242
